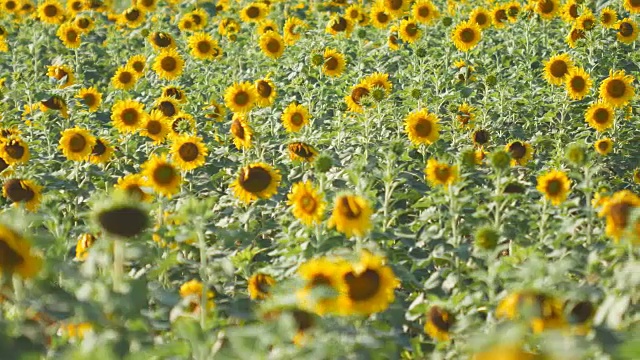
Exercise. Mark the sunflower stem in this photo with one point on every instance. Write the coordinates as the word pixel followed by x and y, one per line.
pixel 588 194
pixel 543 219
pixel 118 264
pixel 205 283
pixel 454 217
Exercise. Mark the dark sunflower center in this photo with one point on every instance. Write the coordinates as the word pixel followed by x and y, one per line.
pixel 174 93
pixel 168 64
pixel 393 39
pixel 53 103
pixel 10 5
pixel 634 3
pixel 83 23
pixel 481 137
pixel 517 150
pixel 301 150
pixel 125 77
pixel 253 12
pixel 138 66
pixel 237 129
pixel 297 119
pixel 546 6
pixel 573 11
pixel 268 28
pixel 197 19
pixel 349 208
pixel 616 88
pixel 581 312
pixel 423 11
pixel 9 258
pixel 164 174
pixel 308 203
pixel 411 29
pixel 130 117
pixel 603 145
pixel 354 14
pixel 619 214
pixel 204 46
pixel 443 173
pixel 124 221
pixel 262 284
pixel 382 17
pixel 135 191
pixel 304 320
pixel 331 63
pixel 17 191
pixel 625 29
pixel 395 4
pixel 77 5
pixel 558 68
pixel 241 98
pixel 606 18
pixel 358 93
pixel 154 127
pixel 3 164
pixel 255 179
pixel 554 187
pixel 577 34
pixel 15 150
pixel 423 128
pixel 264 89
pixel 147 3
pixel 339 24
pixel 273 46
pixel 132 14
pixel 167 108
pixel 162 40
pixel 601 116
pixel 481 19
pixel 363 286
pixel 187 24
pixel 50 10
pixel 188 151
pixel 578 83
pixel 77 143
pixel 587 24
pixel 440 318
pixel 467 35
pixel 99 148
pixel 501 15
pixel 320 280
pixel 72 35
pixel 513 11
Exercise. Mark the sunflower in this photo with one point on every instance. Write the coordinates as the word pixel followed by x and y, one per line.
pixel 409 31
pixel 90 97
pixel 302 152
pixel 128 115
pixel 215 111
pixel 199 17
pixel 101 152
pixel 25 192
pixel 557 68
pixel 272 45
pixel 608 18
pixel 266 91
pixel 60 72
pixel 174 92
pixel 422 127
pixel 192 292
pixel 334 62
pixel 579 316
pixel 481 17
pixel 168 64
pixel 17 256
pixel 513 10
pixel 204 47
pixel 323 284
pixel 183 123
pixel 161 41
pixel 632 6
pixel 555 185
pixel 10 6
pixel 396 8
pixel 188 152
pixel 228 27
pixel 370 286
pixel 440 173
pixel 339 25
pixel 55 103
pixel 168 106
pixel 378 80
pixel 156 126
pixel 76 144
pixel 636 176
pixel 600 116
pixel 241 132
pixel 439 323
pixel 133 185
pixel 424 11
pixel 627 31
pixel 351 215
pixel 466 35
pixel 505 352
pixel 521 152
pixel 574 35
pixel 70 35
pixel 162 175
pixel 480 137
pixel 617 89
pixel 578 83
pixel 132 17
pixel 267 25
pixel 540 310
pixel 307 203
pixel 256 181
pixel 547 9
pixel 260 286
pixel 51 12
pixel 186 24
pixel 617 211
pixel 586 21
pixel 84 242
pixel 292 30
pixel 380 17
pixel 499 16
pixel 569 11
pixel 254 12
pixel 137 63
pixel 241 97
pixel 125 78
pixel 14 150
pixel 294 117
pixel 354 99
pixel 466 115
pixel 603 146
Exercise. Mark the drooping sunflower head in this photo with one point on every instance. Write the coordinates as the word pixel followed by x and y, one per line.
pixel 55 103
pixel 204 47
pixel 351 215
pixel 617 211
pixel 188 152
pixel 333 62
pixel 603 146
pixel 22 191
pixel 439 173
pixel 76 144
pixel 137 63
pixel 302 152
pixel 85 241
pixel 521 152
pixel 307 203
pixel 439 323
pixel 557 68
pixel 260 286
pixel 578 83
pixel 16 255
pixel 90 97
pixel 481 17
pixel 256 181
pixel 266 91
pixel 125 78
pixel 555 186
pixel 128 115
pixel 14 150
pixel 627 31
pixel 422 127
pixel 168 64
pixel 466 115
pixel 466 35
pixel 600 116
pixel 161 40
pixel 617 89
pixel 272 44
pixel 240 97
pixel 294 117
pixel 241 132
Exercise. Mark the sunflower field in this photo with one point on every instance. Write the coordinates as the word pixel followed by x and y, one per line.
pixel 347 179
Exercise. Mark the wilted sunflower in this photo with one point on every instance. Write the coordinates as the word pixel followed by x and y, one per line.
pixel 85 241
pixel 132 17
pixel 422 127
pixel 168 64
pixel 617 89
pixel 600 116
pixel 76 144
pixel 608 18
pixel 192 291
pixel 334 62
pixel 254 12
pixel 499 16
pixel 440 173
pixel 555 186
pixel 138 63
pixel 128 115
pixel 294 117
pixel 351 215
pixel 90 97
pixel 60 72
pixel 339 24
pixel 272 44
pixel 380 17
pixel 101 152
pixel 409 31
pixel 632 6
pixel 256 181
pixel 215 111
pixel 51 12
pixel 466 115
pixel 266 90
pixel 540 310
pixel 557 68
pixel 204 47
pixel 370 286
pixel 241 97
pixel 17 256
pixel 125 78
pixel 617 211
pixel 260 286
pixel 579 316
pixel 156 127
pixel 547 9
pixel 162 175
pixel 133 185
pixel 188 152
pixel 481 17
pixel 70 35
pixel 302 152
pixel 578 83
pixel 323 284
pixel 307 203
pixel 292 30
pixel 354 99
pixel 627 31
pixel 439 323
pixel 424 11
pixel 174 92
pixel 241 132
pixel 466 35
pixel 603 146
pixel 168 106
pixel 25 192
pixel 267 25
pixel 14 150
pixel 161 41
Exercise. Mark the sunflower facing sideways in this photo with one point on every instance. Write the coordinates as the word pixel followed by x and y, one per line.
pixel 370 286
pixel 440 173
pixel 168 64
pixel 133 184
pixel 600 116
pixel 301 152
pixel 466 35
pixel 557 68
pixel 334 62
pixel 354 99
pixel 256 181
pixel 272 44
pixel 578 83
pixel 60 72
pixel 422 127
pixel 617 89
pixel 90 97
pixel 241 132
pixel 174 92
pixel 294 117
pixel 204 47
pixel 323 285
pixel 101 152
pixel 25 192
pixel 293 30
pixel 155 127
pixel 241 97
pixel 266 90
pixel 439 323
pixel 307 203
pixel 17 255
pixel 14 150
pixel 128 115
pixel 351 215
pixel 260 286
pixel 125 78
pixel 521 152
pixel 617 211
pixel 76 144
pixel 555 185
pixel 188 152
pixel 162 175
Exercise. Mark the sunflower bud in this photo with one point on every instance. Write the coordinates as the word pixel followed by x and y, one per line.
pixel 324 163
pixel 317 59
pixel 576 154
pixel 416 93
pixel 421 52
pixel 447 21
pixel 500 160
pixel 487 238
pixel 361 34
pixel 377 94
pixel 144 32
pixel 491 80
